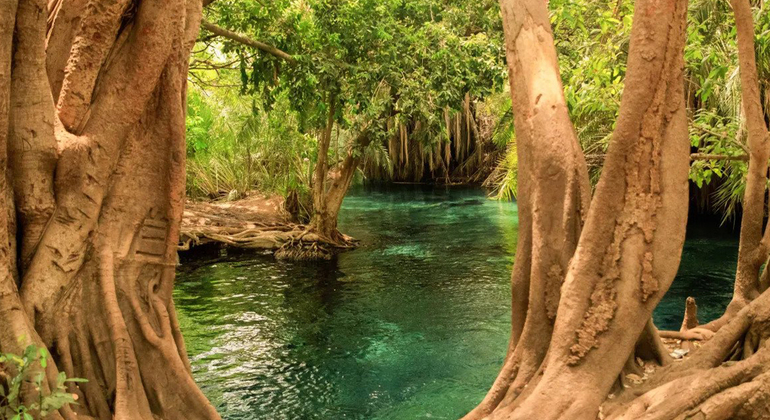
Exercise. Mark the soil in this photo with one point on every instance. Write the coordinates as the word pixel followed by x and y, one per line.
pixel 258 221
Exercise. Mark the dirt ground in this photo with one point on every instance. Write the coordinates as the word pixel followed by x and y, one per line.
pixel 257 221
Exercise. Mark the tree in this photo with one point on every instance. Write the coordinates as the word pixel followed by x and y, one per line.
pixel 628 250
pixel 92 111
pixel 391 76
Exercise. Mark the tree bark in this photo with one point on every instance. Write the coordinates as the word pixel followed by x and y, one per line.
pixel 754 244
pixel 554 194
pixel 94 101
pixel 628 251
pixel 323 222
pixel 331 186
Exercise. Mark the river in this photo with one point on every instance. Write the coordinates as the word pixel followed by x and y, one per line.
pixel 411 325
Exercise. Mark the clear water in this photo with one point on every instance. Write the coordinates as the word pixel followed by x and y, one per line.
pixel 411 325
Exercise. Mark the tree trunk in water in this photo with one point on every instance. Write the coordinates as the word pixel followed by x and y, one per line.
pixel 754 245
pixel 628 251
pixel 554 194
pixel 94 101
pixel 326 223
pixel 322 222
pixel 331 186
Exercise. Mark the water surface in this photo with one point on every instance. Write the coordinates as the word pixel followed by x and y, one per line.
pixel 411 325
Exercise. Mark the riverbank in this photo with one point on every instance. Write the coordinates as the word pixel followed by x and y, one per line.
pixel 256 222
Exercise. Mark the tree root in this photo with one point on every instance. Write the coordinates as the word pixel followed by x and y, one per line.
pixel 719 380
pixel 700 334
pixel 261 237
pixel 289 242
pixel 705 392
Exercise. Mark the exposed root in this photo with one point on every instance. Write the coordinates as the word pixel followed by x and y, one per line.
pixel 725 378
pixel 257 223
pixel 700 334
pixel 268 237
pixel 688 395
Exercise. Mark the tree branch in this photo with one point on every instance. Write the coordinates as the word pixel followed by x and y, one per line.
pixel 706 156
pixel 598 158
pixel 217 30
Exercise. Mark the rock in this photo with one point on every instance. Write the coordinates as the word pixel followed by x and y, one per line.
pixel 679 353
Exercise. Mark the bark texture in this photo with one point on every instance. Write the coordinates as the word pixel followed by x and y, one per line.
pixel 93 101
pixel 330 185
pixel 754 246
pixel 629 249
pixel 554 195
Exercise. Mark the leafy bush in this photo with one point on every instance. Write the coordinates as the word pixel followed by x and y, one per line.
pixel 19 371
pixel 234 147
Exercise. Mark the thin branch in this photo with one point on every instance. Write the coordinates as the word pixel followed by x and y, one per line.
pixel 706 156
pixel 194 78
pixel 724 137
pixel 598 158
pixel 247 41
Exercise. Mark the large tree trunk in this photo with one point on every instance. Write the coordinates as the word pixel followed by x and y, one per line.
pixel 554 194
pixel 754 245
pixel 629 250
pixel 627 253
pixel 96 164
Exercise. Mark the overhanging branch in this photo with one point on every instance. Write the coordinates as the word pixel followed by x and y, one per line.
pixel 597 159
pixel 706 156
pixel 234 36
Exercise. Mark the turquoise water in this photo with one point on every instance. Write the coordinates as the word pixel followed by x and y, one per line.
pixel 411 325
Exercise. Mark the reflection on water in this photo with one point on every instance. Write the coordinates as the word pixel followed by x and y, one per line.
pixel 412 325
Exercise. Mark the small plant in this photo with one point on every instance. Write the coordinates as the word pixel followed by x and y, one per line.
pixel 18 372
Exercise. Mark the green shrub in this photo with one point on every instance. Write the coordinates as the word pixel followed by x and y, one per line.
pixel 234 147
pixel 19 371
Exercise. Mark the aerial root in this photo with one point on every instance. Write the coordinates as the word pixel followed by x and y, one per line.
pixel 178 339
pixel 128 404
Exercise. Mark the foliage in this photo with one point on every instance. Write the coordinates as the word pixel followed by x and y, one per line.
pixel 17 372
pixel 380 65
pixel 395 63
pixel 235 146
pixel 592 43
pixel 503 181
pixel 717 125
pixel 429 52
